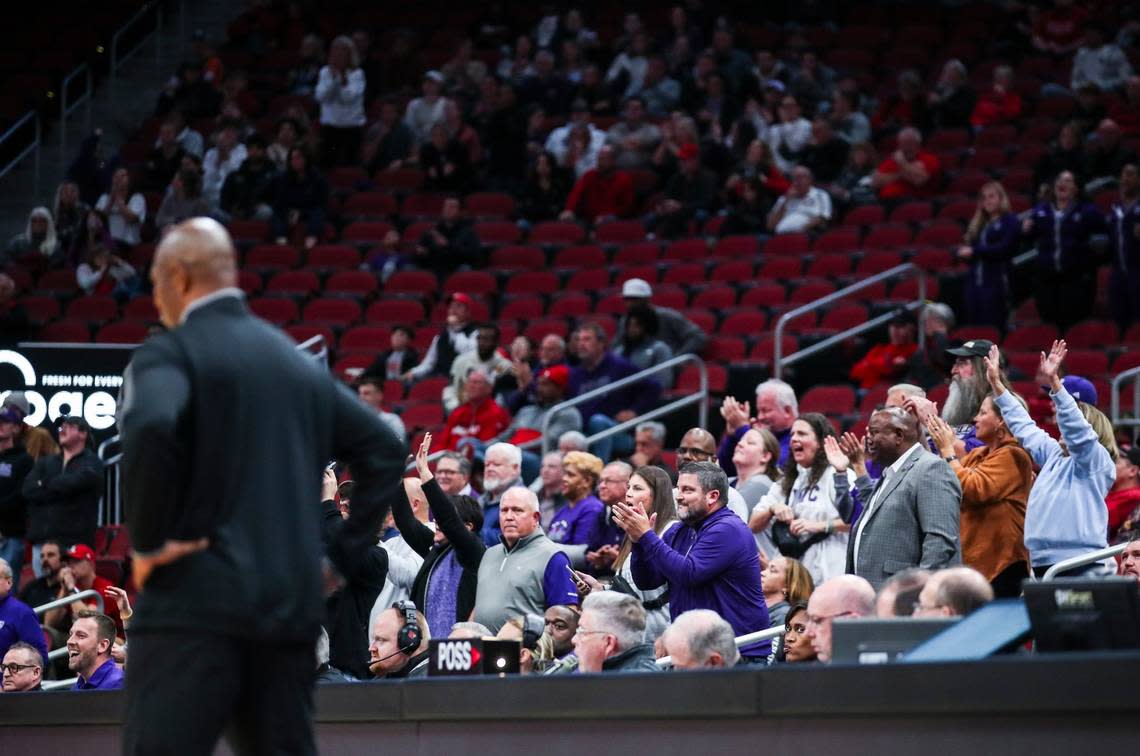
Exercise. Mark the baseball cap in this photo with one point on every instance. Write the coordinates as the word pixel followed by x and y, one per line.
pixel 559 375
pixel 972 348
pixel 80 551
pixel 688 151
pixel 77 421
pixel 435 76
pixel 461 298
pixel 636 288
pixel 1080 388
pixel 1132 454
pixel 902 316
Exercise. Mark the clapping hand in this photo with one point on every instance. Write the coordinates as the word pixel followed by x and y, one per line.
pixel 633 520
pixel 1051 364
pixel 993 370
pixel 422 467
pixel 835 456
pixel 943 435
pixel 736 414
pixel 854 448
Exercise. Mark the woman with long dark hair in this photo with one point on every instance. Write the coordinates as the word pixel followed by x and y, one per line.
pixel 803 508
pixel 300 196
pixel 990 243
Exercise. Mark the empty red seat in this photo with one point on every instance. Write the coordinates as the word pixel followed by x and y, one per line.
pixel 611 305
pixel 423 415
pixel 97 308
pixel 844 315
pixel 422 205
pixel 619 232
pixel 250 282
pixel 671 296
pixel 811 290
pixel 333 257
pixel 958 210
pixel 912 212
pixel 715 298
pixel 347 177
pixel 702 318
pixel 581 256
pixel 301 282
pixel 557 233
pixel 369 205
pixel 868 215
pixel 940 233
pixel 787 244
pixel 837 240
pixel 533 282
pixel 782 268
pixel 337 312
pixel 420 282
pixel 65 332
pixel 1088 363
pixel 830 266
pixel 248 232
pixel 948 139
pixel 732 271
pixel 492 233
pixel 686 273
pixel 490 205
pixel 877 262
pixel 278 311
pixel 140 308
pixel 592 279
pixel 1088 334
pixel 687 249
pixel 348 367
pixel 765 348
pixel 517 258
pixel 395 311
pixel 269 257
pixel 637 253
pixel 360 283
pixel 371 339
pixel 366 232
pixel 536 330
pixel 570 305
pixel 302 332
pixel 725 349
pixel 933 259
pixel 975 332
pixel 967 182
pixel 744 323
pixel 1028 338
pixel 907 289
pixel 522 308
pixel 829 400
pixel 887 237
pixel 737 246
pixel 471 282
pixel 689 380
pixel 403 179
pixel 60 282
pixel 764 295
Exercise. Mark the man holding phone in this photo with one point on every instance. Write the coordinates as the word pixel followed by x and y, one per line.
pixel 709 562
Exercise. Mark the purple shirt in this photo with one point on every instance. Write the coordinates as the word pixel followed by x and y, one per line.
pixel 107 677
pixel 19 623
pixel 640 397
pixel 577 524
pixel 558 587
pixel 712 565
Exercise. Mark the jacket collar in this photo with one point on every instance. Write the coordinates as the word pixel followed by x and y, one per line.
pixel 229 292
pixel 522 542
pixel 617 661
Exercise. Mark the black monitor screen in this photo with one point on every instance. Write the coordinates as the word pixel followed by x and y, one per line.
pixel 1078 614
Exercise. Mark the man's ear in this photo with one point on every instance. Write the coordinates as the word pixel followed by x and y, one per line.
pixel 715 659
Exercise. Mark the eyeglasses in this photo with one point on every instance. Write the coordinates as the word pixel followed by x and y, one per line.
pixel 817 621
pixel 14 668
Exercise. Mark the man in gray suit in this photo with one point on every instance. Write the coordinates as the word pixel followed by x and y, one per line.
pixel 910 518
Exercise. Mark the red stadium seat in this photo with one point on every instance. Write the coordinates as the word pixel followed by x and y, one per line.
pixel 843 316
pixel 958 210
pixel 536 330
pixel 782 268
pixel 489 205
pixel 336 312
pixel 275 310
pixel 868 215
pixel 370 205
pixel 422 206
pixel 907 289
pixel 887 237
pixel 648 273
pixel 715 298
pixel 573 258
pixel 272 257
pixel 349 367
pixel 366 232
pixel 732 272
pixel 830 266
pixel 746 323
pixel 611 305
pixel 96 308
pixel 726 349
pixel 939 233
pixel 360 283
pixel 974 332
pixel 122 332
pixel 533 282
pixel 811 290
pixel 933 259
pixel 141 308
pixel 687 249
pixel 301 282
pixel 401 179
pixel 877 262
pixel 829 400
pixel 737 246
pixel 329 257
pixel 557 233
pixel 764 349
pixel 1087 363
pixel 674 297
pixel 250 282
pixel 570 305
pixel 837 240
pixel 427 389
pixel 517 258
pixel 475 283
pixel 58 282
pixel 523 308
pixel 689 380
pixel 1088 334
pixel 302 332
pixel 1028 338
pixel 592 279
pixel 395 311
pixel 494 233
pixel 619 232
pixel 686 273
pixel 637 253
pixel 764 295
pixel 787 244
pixel 371 339
pixel 912 212
pixel 703 319
pixel 423 416
pixel 415 282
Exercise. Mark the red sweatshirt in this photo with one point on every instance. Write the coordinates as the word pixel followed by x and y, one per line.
pixel 484 422
pixel 597 194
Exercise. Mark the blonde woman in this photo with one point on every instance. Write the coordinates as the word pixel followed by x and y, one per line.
pixel 340 91
pixel 990 243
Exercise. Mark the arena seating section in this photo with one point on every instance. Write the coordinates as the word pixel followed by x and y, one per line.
pixel 545 280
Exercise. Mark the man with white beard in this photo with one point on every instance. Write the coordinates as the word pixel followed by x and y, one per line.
pixel 968 388
pixel 502 469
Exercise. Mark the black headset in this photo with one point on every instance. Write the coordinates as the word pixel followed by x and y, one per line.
pixel 410 635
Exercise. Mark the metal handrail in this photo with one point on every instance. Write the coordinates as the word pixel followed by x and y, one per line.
pixel 740 641
pixel 116 62
pixel 65 109
pixel 1080 561
pixel 68 600
pixel 1118 418
pixel 780 360
pixel 34 147
pixel 316 342
pixel 58 684
pixel 699 397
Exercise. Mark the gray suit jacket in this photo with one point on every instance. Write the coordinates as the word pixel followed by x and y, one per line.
pixel 914 522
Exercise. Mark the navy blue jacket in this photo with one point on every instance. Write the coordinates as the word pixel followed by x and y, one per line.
pixel 1064 247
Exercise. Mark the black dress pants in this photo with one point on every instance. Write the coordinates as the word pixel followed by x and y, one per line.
pixel 185 690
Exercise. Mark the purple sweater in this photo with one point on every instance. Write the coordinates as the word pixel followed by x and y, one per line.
pixel 639 397
pixel 712 565
pixel 19 623
pixel 579 524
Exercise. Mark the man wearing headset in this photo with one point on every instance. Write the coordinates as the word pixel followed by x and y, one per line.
pixel 399 646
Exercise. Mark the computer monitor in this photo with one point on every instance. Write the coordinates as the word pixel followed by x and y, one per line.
pixel 999 626
pixel 1079 614
pixel 879 641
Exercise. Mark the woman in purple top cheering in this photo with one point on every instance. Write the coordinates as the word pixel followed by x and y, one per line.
pixel 579 521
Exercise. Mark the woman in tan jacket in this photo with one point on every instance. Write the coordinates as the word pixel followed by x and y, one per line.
pixel 995 479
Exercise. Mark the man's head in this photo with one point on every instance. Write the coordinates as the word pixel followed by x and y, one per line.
pixel 453 471
pixel 606 159
pixel 23 667
pixel 649 440
pixel 900 392
pixel 502 463
pixel 697 445
pixel 842 596
pixel 194 259
pixel 1127 469
pixel 571 441
pixel 801 180
pixel 464 630
pixel 551 385
pixel 614 482
pixel 953 592
pixel 477 386
pixel 552 349
pixel 414 490
pixel 90 641
pixel 458 309
pixel 890 432
pixel 897 595
pixel 51 558
pixel 636 293
pixel 80 559
pixel 518 514
pixel 611 623
pixel 702 489
pixel 371 390
pixel 73 433
pixel 634 111
pixel 1129 180
pixel 776 405
pixel 561 624
pixel 910 142
pixel 590 341
pixel 385 654
pixel 1130 559
pixel 968 385
pixel 701 639
pixel 5 578
pixel 901 330
pixel 487 340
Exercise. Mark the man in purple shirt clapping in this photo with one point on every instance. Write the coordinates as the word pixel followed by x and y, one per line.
pixel 89 652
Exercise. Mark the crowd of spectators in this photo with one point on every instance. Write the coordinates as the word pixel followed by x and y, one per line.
pixel 627 549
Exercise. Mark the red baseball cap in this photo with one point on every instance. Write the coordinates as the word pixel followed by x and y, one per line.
pixel 461 298
pixel 559 375
pixel 80 551
pixel 688 151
